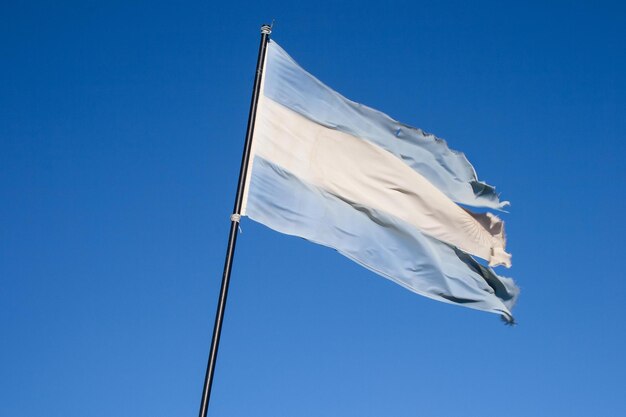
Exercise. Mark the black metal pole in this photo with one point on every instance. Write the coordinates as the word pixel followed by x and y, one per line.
pixel 234 224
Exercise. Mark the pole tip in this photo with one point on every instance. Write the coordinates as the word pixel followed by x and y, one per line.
pixel 266 29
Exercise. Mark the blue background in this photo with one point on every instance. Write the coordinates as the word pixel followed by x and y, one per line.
pixel 121 131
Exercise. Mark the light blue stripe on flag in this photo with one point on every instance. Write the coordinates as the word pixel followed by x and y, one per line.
pixel 290 85
pixel 384 244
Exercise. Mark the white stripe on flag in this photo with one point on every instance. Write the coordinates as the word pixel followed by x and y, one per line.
pixel 365 174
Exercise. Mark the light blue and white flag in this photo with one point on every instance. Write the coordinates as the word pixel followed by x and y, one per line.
pixel 384 194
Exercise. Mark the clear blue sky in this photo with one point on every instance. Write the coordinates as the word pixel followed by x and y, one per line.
pixel 121 130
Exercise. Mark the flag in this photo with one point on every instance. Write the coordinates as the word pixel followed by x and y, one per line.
pixel 386 195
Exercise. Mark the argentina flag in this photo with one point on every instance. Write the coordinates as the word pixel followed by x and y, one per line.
pixel 386 195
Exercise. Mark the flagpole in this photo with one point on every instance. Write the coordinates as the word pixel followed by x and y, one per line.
pixel 234 225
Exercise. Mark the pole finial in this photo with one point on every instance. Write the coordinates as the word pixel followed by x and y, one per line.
pixel 266 29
